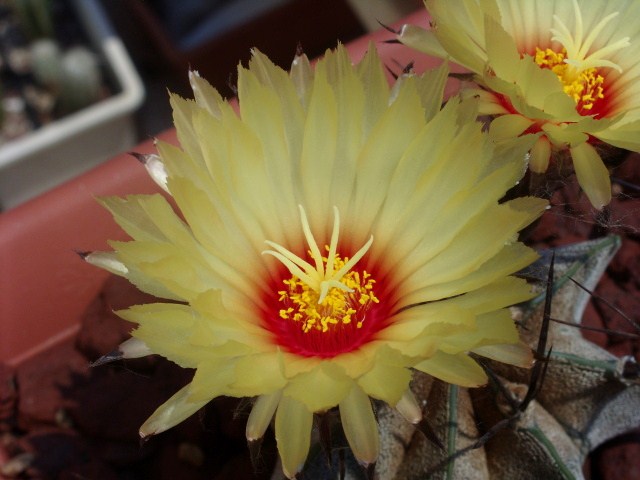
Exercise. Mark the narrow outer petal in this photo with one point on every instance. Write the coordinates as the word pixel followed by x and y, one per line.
pixel 134 348
pixel 592 175
pixel 261 415
pixel 409 408
pixel 388 378
pixel 508 126
pixel 540 155
pixel 457 369
pixel 171 413
pixel 321 388
pixel 359 424
pixel 517 354
pixel 422 40
pixel 107 261
pixel 255 381
pixel 293 434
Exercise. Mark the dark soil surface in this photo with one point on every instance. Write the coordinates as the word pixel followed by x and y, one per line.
pixel 59 418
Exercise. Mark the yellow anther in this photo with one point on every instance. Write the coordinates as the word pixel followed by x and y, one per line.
pixel 585 87
pixel 582 57
pixel 340 307
pixel 325 292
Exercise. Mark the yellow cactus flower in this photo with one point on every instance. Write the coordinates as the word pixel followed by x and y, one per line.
pixel 333 235
pixel 565 71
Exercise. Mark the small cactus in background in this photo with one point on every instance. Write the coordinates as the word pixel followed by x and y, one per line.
pixel 74 76
pixel 81 79
pixel 52 74
pixel 46 62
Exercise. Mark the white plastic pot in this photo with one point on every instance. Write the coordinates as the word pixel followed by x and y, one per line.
pixel 77 142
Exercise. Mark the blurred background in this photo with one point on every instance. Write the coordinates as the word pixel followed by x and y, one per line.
pixel 84 80
pixel 165 38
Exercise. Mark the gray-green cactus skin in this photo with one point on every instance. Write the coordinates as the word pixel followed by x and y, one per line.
pixel 81 79
pixel 587 397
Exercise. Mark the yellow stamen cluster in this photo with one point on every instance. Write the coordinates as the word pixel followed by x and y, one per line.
pixel 327 291
pixel 585 87
pixel 338 307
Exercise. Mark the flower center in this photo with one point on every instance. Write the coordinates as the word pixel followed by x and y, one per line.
pixel 328 305
pixel 578 64
pixel 585 87
pixel 339 307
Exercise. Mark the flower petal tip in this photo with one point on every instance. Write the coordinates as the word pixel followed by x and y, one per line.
pixel 141 157
pixel 254 447
pixel 83 254
pixel 370 470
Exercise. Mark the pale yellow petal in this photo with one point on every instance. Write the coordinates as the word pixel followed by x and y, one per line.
pixel 296 364
pixel 179 164
pixel 414 319
pixel 560 135
pixel 492 296
pixel 424 179
pixel 431 89
pixel 457 369
pixel 359 425
pixel 352 108
pixel 258 374
pixel 501 50
pixel 621 134
pixel 592 175
pixel 360 361
pixel 183 111
pixel 176 269
pixel 132 218
pixel 167 329
pixel 375 87
pixel 409 408
pixel 134 348
pixel 517 354
pixel 508 126
pixel 421 40
pixel 319 155
pixel 493 328
pixel 419 332
pixel 293 434
pixel 204 94
pixel 239 323
pixel 107 261
pixel 512 258
pixel 540 155
pixel 277 81
pixel 301 75
pixel 229 260
pixel 389 378
pixel 212 378
pixel 480 239
pixel 460 31
pixel 383 150
pixel 488 102
pixel 261 414
pixel 178 408
pixel 320 388
pixel 262 110
pixel 110 261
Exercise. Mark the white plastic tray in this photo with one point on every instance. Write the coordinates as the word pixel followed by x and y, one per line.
pixel 72 145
